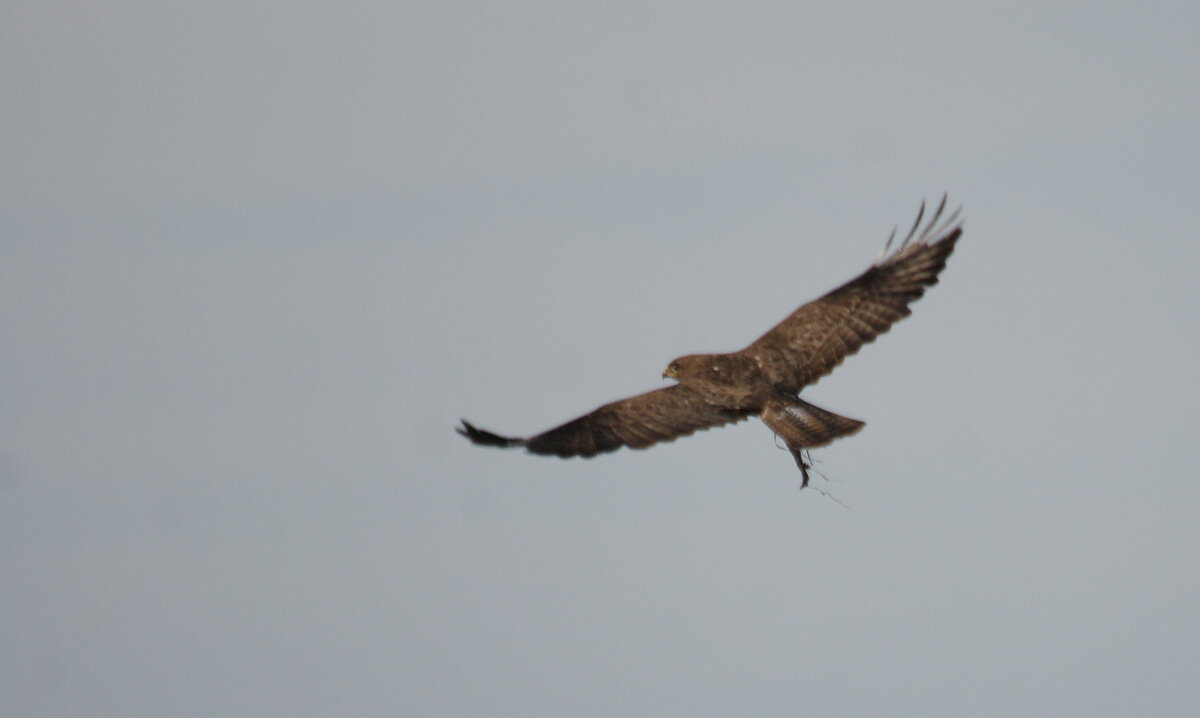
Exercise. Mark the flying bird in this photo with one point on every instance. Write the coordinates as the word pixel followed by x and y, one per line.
pixel 765 378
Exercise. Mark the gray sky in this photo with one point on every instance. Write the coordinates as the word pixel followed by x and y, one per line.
pixel 256 261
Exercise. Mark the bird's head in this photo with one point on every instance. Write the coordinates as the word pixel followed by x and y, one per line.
pixel 681 367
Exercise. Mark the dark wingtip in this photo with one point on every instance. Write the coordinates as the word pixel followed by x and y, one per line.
pixel 939 229
pixel 486 438
pixel 916 223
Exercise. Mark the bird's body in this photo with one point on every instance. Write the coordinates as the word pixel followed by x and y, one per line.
pixel 766 377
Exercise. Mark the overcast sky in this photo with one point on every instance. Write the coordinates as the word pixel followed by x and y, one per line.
pixel 257 259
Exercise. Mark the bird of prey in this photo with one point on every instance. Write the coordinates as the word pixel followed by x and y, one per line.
pixel 765 378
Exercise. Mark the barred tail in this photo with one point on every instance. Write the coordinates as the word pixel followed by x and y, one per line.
pixel 804 426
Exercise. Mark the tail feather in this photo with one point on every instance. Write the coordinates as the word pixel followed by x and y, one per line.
pixel 804 426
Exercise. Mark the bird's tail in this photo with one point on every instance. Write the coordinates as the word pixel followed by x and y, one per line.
pixel 804 426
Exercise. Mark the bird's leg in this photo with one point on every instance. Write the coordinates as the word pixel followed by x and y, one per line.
pixel 798 455
pixel 804 467
pixel 812 464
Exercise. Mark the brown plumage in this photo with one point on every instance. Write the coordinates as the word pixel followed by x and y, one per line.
pixel 765 378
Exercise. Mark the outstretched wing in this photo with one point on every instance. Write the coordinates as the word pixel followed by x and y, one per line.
pixel 819 335
pixel 637 422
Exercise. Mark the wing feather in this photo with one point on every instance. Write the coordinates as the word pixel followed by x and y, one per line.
pixel 818 336
pixel 637 422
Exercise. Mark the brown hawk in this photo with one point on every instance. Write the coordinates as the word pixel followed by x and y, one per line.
pixel 765 378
